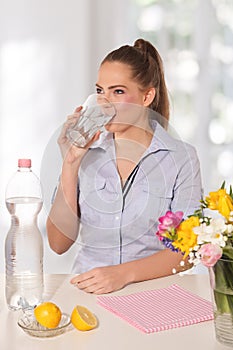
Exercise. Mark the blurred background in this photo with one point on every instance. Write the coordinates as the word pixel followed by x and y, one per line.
pixel 50 51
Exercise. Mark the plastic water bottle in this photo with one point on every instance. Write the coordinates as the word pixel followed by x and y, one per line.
pixel 24 244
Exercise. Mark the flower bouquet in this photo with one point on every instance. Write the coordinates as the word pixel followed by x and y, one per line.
pixel 206 237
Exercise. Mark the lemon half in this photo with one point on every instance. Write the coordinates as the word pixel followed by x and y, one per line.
pixel 48 314
pixel 83 319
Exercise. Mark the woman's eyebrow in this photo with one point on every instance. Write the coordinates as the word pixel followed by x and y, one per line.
pixel 112 86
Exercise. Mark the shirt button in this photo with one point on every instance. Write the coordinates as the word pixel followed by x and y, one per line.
pixel 117 218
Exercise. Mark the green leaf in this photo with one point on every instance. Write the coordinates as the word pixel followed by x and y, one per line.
pixel 231 192
pixel 228 252
pixel 223 272
pixel 221 301
pixel 198 213
pixel 223 185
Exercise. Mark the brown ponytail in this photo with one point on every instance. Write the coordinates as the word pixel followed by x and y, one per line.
pixel 147 69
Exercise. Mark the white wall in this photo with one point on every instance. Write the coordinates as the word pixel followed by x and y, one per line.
pixel 49 54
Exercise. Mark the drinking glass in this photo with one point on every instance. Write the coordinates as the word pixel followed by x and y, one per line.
pixel 96 113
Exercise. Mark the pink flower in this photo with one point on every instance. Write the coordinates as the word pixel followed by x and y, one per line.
pixel 210 254
pixel 170 221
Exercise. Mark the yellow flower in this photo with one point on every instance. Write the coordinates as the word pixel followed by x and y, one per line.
pixel 186 238
pixel 220 201
pixel 212 200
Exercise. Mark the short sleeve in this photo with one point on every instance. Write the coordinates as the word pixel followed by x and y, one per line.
pixel 188 186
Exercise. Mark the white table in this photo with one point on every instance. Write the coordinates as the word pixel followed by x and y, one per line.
pixel 113 333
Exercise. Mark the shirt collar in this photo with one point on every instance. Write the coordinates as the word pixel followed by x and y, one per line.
pixel 161 139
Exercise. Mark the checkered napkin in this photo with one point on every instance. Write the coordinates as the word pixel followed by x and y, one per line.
pixel 160 309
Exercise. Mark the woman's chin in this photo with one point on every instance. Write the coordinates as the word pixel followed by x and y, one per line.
pixel 117 127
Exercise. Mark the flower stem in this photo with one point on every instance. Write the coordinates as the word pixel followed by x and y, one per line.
pixel 223 291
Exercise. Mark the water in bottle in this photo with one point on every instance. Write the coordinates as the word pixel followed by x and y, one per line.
pixel 24 245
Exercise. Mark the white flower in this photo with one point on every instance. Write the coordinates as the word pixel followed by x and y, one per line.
pixel 212 233
pixel 201 232
pixel 229 228
pixel 218 224
pixel 194 260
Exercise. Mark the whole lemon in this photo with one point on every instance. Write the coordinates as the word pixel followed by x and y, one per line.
pixel 48 314
pixel 83 319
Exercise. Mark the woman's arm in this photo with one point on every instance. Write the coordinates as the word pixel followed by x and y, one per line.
pixel 63 220
pixel 111 278
pixel 160 264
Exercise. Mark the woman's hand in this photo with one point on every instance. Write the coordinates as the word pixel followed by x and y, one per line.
pixel 71 153
pixel 111 278
pixel 101 280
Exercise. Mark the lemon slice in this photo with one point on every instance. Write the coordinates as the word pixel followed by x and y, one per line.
pixel 83 319
pixel 48 314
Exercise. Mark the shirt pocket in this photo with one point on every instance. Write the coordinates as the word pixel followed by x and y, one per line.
pixel 89 186
pixel 141 215
pixel 98 201
pixel 158 201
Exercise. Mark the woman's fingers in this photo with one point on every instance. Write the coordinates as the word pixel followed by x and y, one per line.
pixel 78 109
pixel 68 150
pixel 70 121
pixel 100 279
pixel 94 138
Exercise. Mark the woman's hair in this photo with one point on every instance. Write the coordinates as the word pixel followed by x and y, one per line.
pixel 147 70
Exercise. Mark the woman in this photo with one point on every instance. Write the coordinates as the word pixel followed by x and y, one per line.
pixel 124 179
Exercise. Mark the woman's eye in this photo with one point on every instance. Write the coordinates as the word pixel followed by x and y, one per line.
pixel 119 91
pixel 99 91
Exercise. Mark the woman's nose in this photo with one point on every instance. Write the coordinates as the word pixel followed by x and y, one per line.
pixel 107 95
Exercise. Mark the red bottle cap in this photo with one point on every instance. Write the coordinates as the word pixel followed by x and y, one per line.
pixel 24 163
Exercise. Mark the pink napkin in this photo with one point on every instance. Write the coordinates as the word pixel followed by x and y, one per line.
pixel 160 309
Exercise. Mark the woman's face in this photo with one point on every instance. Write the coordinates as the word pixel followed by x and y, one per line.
pixel 116 84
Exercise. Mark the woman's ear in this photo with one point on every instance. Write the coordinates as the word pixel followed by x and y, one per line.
pixel 149 96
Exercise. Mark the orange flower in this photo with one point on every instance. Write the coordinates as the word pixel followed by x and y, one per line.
pixel 186 238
